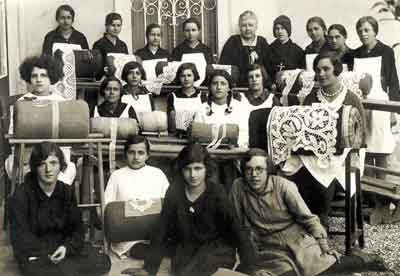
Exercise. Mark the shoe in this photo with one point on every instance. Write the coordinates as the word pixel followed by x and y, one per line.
pixel 372 262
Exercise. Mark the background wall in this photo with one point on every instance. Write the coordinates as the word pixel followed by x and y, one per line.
pixel 30 20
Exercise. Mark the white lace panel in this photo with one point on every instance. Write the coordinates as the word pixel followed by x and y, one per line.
pixel 302 127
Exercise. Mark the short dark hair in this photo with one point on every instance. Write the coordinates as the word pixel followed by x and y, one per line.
pixel 334 58
pixel 222 73
pixel 105 82
pixel 271 168
pixel 265 76
pixel 136 139
pixel 41 152
pixel 195 152
pixel 318 20
pixel 67 8
pixel 187 66
pixel 53 66
pixel 130 66
pixel 191 20
pixel 111 17
pixel 368 19
pixel 151 27
pixel 340 28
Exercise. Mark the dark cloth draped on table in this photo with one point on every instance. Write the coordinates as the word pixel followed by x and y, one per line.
pixel 286 56
pixel 184 48
pixel 235 53
pixel 389 77
pixel 258 128
pixel 39 224
pixel 55 36
pixel 145 53
pixel 203 232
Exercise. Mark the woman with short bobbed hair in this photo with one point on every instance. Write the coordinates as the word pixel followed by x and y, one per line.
pixel 385 87
pixel 46 228
pixel 135 93
pixel 286 239
pixel 196 220
pixel 40 72
pixel 65 32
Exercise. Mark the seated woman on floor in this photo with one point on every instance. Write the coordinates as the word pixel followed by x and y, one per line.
pixel 285 237
pixel 153 50
pixel 111 91
pixel 135 181
pixel 135 94
pixel 198 218
pixel 258 95
pixel 40 72
pixel 185 102
pixel 46 229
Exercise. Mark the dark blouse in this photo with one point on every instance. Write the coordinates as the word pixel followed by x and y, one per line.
pixel 234 53
pixel 105 110
pixel 260 100
pixel 286 56
pixel 39 224
pixel 208 218
pixel 146 54
pixel 179 94
pixel 312 48
pixel 389 78
pixel 106 46
pixel 184 48
pixel 55 36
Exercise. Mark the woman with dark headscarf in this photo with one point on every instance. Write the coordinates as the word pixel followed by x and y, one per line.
pixel 283 53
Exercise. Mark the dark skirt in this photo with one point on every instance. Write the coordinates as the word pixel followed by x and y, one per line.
pixel 90 262
pixel 204 260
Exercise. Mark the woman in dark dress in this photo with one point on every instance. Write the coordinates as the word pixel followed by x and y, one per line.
pixel 192 44
pixel 111 91
pixel 283 53
pixel 46 229
pixel 316 29
pixel 245 48
pixel 337 36
pixel 198 217
pixel 153 50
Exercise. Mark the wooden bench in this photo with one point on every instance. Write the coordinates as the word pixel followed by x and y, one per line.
pixel 386 192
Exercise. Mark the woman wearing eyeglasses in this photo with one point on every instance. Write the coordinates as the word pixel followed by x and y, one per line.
pixel 286 239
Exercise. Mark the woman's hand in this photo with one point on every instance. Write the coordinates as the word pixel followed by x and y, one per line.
pixel 323 244
pixel 58 255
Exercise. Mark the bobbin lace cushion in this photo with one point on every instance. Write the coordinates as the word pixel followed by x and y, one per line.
pixel 310 128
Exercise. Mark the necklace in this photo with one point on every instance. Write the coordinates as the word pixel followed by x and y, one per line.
pixel 330 95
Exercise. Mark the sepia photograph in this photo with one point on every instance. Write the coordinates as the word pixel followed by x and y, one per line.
pixel 199 138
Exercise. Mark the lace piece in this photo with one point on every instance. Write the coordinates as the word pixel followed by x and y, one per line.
pixel 66 87
pixel 307 78
pixel 302 127
pixel 184 119
pixel 119 61
pixel 289 78
pixel 351 80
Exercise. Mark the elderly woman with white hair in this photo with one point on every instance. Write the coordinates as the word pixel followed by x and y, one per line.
pixel 245 48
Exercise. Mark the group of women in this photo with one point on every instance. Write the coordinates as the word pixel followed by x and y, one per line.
pixel 272 222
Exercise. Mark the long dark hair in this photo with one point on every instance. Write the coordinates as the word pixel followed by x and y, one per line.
pixel 228 77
